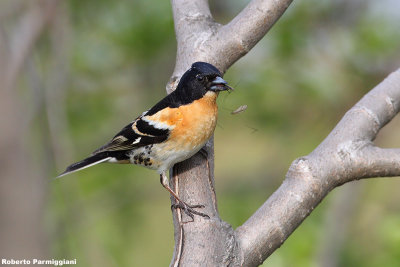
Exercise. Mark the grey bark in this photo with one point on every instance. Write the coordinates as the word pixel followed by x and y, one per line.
pixel 347 154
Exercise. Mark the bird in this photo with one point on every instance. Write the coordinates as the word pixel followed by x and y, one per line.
pixel 173 130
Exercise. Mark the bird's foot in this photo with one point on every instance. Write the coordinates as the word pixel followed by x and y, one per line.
pixel 189 209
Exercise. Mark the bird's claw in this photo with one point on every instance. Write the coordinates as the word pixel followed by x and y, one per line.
pixel 189 209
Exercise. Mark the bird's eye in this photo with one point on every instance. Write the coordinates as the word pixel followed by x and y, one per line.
pixel 200 78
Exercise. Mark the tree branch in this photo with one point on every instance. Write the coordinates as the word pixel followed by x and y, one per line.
pixel 347 154
pixel 193 23
pixel 243 32
pixel 381 162
pixel 200 38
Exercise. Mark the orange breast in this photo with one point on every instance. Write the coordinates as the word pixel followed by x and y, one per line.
pixel 192 124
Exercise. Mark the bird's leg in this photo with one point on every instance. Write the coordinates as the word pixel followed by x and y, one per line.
pixel 204 153
pixel 188 209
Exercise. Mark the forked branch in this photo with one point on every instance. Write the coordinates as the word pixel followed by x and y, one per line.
pixel 347 154
pixel 200 38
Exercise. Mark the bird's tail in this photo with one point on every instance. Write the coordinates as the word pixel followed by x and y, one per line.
pixel 86 163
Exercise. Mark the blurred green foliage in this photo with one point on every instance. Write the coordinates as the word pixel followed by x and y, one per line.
pixel 315 63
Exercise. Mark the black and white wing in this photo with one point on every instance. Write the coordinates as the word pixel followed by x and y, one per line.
pixel 136 134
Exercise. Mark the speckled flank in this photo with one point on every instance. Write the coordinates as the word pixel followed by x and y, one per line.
pixel 173 130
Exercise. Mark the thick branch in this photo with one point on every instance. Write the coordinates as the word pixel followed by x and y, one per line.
pixel 254 21
pixel 244 31
pixel 193 27
pixel 380 163
pixel 345 155
pixel 200 38
pixel 189 17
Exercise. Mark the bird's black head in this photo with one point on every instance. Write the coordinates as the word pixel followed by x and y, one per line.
pixel 201 78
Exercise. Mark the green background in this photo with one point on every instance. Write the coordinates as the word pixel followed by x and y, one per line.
pixel 112 61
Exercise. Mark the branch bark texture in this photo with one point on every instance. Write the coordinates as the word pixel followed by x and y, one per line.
pixel 199 38
pixel 347 154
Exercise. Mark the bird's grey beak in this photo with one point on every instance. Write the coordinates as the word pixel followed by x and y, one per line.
pixel 219 84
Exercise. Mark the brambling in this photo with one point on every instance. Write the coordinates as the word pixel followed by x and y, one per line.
pixel 173 130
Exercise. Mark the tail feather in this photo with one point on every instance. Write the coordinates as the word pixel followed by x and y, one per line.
pixel 86 163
